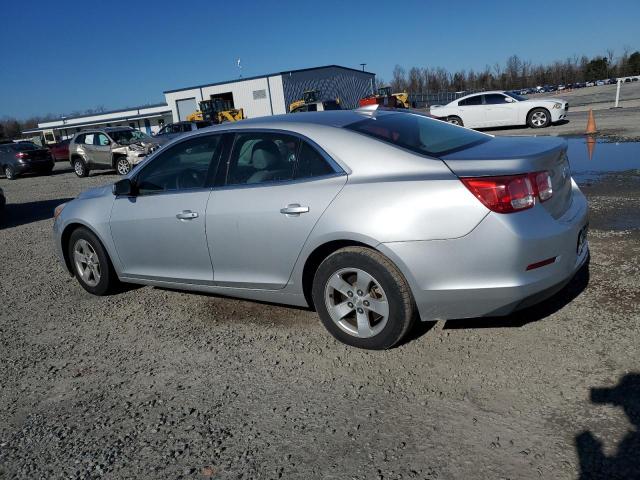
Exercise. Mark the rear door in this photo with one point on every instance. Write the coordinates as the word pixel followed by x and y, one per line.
pixel 276 188
pixel 87 149
pixel 159 234
pixel 471 111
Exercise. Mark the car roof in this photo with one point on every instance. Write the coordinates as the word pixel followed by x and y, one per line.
pixel 331 118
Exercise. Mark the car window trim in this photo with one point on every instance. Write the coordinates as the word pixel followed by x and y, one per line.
pixel 337 169
pixel 210 176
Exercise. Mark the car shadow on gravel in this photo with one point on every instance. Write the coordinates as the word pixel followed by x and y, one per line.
pixel 520 318
pixel 16 214
pixel 624 464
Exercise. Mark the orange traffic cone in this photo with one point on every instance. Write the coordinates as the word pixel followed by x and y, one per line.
pixel 591 124
pixel 591 146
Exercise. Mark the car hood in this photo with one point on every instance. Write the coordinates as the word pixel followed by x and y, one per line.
pixel 96 192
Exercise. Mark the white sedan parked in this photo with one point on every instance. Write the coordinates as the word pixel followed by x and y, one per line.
pixel 500 109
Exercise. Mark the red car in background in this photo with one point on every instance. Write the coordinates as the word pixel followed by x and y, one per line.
pixel 60 151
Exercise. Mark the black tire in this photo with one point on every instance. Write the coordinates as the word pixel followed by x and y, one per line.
pixel 10 172
pixel 122 166
pixel 455 120
pixel 80 167
pixel 108 280
pixel 401 307
pixel 47 171
pixel 534 116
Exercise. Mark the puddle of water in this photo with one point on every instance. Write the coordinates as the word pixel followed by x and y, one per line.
pixel 590 158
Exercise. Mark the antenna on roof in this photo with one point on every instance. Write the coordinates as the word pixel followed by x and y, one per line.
pixel 239 66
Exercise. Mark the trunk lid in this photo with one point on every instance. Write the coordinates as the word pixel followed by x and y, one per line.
pixel 518 155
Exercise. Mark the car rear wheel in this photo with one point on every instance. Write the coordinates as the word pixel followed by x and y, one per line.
pixel 455 121
pixel 91 265
pixel 123 166
pixel 9 172
pixel 80 167
pixel 363 299
pixel 539 118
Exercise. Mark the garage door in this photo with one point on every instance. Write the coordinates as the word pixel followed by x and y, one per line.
pixel 185 107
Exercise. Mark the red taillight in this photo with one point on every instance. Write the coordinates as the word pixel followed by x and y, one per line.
pixel 510 193
pixel 22 155
pixel 542 183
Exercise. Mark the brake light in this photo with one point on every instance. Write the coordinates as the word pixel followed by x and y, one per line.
pixel 542 184
pixel 510 193
pixel 22 155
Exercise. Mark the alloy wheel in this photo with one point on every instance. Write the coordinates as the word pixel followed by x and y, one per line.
pixel 86 262
pixel 539 119
pixel 123 166
pixel 356 302
pixel 78 167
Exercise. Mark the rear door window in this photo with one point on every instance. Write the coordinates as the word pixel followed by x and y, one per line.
pixel 262 157
pixel 311 163
pixel 475 100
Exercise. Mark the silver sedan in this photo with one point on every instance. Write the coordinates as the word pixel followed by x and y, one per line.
pixel 373 218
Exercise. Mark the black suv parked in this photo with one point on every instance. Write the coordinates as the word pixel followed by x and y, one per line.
pixel 24 157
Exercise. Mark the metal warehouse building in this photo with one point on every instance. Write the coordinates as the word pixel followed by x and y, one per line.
pixel 258 96
pixel 272 94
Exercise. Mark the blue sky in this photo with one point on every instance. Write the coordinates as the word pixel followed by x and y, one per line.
pixel 74 55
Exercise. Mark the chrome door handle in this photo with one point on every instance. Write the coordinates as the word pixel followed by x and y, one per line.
pixel 187 215
pixel 294 209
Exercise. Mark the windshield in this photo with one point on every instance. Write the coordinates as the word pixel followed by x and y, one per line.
pixel 418 133
pixel 125 137
pixel 520 98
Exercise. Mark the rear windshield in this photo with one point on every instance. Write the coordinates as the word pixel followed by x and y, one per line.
pixel 418 133
pixel 24 146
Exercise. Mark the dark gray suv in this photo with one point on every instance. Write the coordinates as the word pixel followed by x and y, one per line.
pixel 118 148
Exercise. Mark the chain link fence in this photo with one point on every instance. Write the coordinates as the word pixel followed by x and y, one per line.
pixel 426 100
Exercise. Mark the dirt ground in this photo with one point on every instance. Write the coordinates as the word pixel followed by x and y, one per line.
pixel 152 383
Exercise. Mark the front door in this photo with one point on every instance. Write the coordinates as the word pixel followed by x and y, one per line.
pixel 159 233
pixel 102 150
pixel 277 188
pixel 499 110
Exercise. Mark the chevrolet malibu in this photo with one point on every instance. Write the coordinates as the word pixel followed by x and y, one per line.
pixel 374 219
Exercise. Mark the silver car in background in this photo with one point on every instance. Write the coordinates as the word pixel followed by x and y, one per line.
pixel 373 218
pixel 117 148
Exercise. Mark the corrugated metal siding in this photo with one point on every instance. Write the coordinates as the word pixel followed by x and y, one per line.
pixel 347 85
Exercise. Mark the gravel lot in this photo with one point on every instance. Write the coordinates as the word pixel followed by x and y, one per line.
pixel 152 383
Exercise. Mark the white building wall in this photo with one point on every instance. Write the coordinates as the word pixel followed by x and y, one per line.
pixel 172 97
pixel 243 96
pixel 277 95
pixel 272 103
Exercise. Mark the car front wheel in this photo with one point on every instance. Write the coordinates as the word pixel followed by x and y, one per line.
pixel 80 167
pixel 90 263
pixel 455 121
pixel 123 166
pixel 363 299
pixel 539 118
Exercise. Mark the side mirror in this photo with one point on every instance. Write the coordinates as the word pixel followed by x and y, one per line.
pixel 509 100
pixel 124 187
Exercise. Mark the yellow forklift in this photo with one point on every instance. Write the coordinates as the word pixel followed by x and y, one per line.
pixel 216 111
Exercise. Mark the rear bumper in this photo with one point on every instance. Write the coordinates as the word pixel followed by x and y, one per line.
pixel 34 167
pixel 485 272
